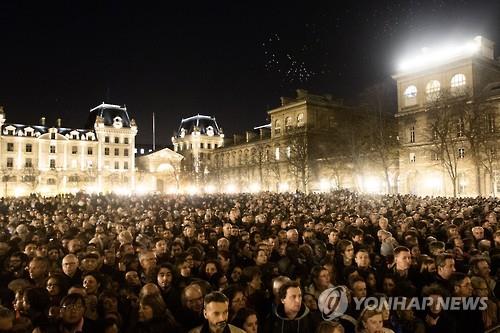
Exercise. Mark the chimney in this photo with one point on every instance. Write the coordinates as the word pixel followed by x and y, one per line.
pixel 58 123
pixel 42 121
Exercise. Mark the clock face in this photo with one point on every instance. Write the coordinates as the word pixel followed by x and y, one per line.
pixel 117 122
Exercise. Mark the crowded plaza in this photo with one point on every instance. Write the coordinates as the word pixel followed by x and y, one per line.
pixel 247 263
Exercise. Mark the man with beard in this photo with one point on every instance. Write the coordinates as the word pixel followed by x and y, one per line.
pixel 216 312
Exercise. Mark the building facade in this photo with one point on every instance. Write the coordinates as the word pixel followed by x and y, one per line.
pixel 56 159
pixel 447 114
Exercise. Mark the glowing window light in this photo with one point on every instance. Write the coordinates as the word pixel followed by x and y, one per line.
pixel 210 189
pixel 458 80
pixel 433 182
pixel 18 192
pixel 372 185
pixel 254 187
pixel 141 189
pixel 432 89
pixel 121 191
pixel 430 57
pixel 231 188
pixel 191 190
pixel 410 95
pixel 324 185
pixel 283 187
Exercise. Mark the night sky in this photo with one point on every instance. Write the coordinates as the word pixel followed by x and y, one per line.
pixel 232 60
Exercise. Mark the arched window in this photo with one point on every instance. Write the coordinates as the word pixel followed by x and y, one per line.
pixel 410 95
pixel 300 120
pixel 277 126
pixel 432 90
pixel 288 123
pixel 457 84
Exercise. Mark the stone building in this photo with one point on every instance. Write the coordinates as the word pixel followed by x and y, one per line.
pixel 458 90
pixel 55 159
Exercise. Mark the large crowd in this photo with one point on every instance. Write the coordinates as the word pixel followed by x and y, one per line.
pixel 245 262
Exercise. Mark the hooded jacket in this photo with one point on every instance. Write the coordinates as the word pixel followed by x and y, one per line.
pixel 280 323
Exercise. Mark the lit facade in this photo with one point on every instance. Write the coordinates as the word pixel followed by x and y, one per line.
pixel 469 73
pixel 56 159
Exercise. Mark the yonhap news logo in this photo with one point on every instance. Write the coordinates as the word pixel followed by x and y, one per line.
pixel 333 302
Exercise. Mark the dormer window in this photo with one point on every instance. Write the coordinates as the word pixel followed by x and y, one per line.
pixel 183 132
pixel 210 131
pixel 117 122
pixel 300 120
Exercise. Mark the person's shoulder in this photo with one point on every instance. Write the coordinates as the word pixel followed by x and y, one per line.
pixel 388 330
pixel 234 329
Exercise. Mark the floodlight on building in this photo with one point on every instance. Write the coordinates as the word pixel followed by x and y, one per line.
pixel 141 189
pixel 254 188
pixel 172 190
pixel 231 188
pixel 372 185
pixel 283 187
pixel 429 56
pixel 210 189
pixel 325 185
pixel 433 182
pixel 19 192
pixel 191 190
pixel 92 189
pixel 121 191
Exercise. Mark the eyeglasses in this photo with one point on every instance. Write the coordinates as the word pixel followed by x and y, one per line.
pixel 72 307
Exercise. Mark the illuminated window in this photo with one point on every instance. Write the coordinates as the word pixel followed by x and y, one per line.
pixel 117 152
pixel 432 90
pixel 106 139
pixel 90 151
pixel 288 123
pixel 125 141
pixel 28 163
pixel 412 134
pixel 10 162
pixel 288 152
pixel 51 181
pixel 461 153
pixel 125 165
pixel 410 95
pixel 277 127
pixel 117 165
pixel 458 80
pixel 125 152
pixel 117 139
pixel 460 127
pixel 490 119
pixel 106 151
pixel 300 120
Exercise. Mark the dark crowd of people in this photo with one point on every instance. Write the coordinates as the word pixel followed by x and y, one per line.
pixel 245 262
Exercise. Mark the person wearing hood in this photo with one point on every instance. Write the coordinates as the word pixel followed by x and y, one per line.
pixel 291 315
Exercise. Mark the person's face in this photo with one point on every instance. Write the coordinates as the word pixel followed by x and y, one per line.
pixel 132 278
pixel 251 325
pixel 69 265
pixel 236 274
pixel 483 269
pixel 15 263
pixel 72 313
pixel 164 277
pixel 161 247
pixel 176 250
pixel 388 286
pixel 194 300
pixel 403 260
pixel 478 233
pixel 41 251
pixel 216 313
pixel 223 244
pixel 148 261
pixel 210 269
pixel 89 264
pixel 323 280
pixel 362 259
pixel 310 302
pixel 435 306
pixel 184 269
pixel 53 287
pixel 30 250
pixel 256 282
pixel 239 302
pixel 464 289
pixel 431 267
pixel 481 290
pixel 349 252
pixel 447 269
pixel 359 289
pixel 74 246
pixel 374 324
pixel 261 258
pixel 37 270
pixel 145 312
pixel 53 255
pixel 293 300
pixel 90 284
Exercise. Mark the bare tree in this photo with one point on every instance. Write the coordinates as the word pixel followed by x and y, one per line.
pixel 446 132
pixel 297 156
pixel 378 115
pixel 31 177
